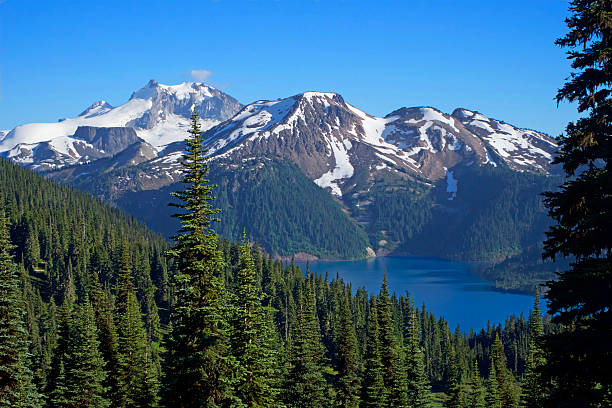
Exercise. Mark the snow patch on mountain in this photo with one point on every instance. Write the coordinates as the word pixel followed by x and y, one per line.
pixel 343 168
pixel 451 184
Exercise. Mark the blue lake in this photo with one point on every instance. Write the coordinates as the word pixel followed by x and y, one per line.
pixel 448 288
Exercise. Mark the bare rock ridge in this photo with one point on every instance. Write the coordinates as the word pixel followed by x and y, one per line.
pixel 331 141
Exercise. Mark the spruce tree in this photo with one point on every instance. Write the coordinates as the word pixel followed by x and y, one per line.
pixel 418 392
pixel 84 366
pixel 252 345
pixel 198 367
pixel 136 373
pixel 455 393
pixel 506 387
pixel 579 357
pixel 107 336
pixel 392 358
pixel 492 397
pixel 476 396
pixel 306 387
pixel 373 391
pixel 16 383
pixel 533 387
pixel 347 383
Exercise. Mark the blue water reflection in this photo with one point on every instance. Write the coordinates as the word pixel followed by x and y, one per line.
pixel 448 288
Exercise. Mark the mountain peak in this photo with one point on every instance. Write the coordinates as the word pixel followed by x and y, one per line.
pixel 186 90
pixel 96 108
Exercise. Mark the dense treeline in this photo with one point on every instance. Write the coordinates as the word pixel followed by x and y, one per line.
pixel 497 216
pixel 278 206
pixel 271 200
pixel 89 291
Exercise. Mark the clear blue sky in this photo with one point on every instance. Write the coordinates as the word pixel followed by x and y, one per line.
pixel 497 57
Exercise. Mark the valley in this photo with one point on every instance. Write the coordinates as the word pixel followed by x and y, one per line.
pixel 313 177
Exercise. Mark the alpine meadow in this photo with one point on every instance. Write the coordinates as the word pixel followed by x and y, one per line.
pixel 183 249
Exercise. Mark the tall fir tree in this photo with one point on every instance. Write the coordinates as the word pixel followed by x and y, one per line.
pixel 198 365
pixel 17 388
pixel 475 398
pixel 373 391
pixel 533 386
pixel 492 397
pixel 251 342
pixel 506 386
pixel 347 383
pixel 580 298
pixel 392 358
pixel 136 374
pixel 107 336
pixel 455 393
pixel 306 386
pixel 418 391
pixel 84 366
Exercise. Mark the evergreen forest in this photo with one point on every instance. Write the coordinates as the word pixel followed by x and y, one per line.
pixel 97 311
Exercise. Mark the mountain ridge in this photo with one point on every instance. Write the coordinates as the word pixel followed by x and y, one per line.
pixel 404 180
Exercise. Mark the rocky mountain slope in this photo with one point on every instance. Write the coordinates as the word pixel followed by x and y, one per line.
pixel 157 114
pixel 417 181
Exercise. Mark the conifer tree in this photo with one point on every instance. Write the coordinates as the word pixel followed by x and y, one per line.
pixel 492 398
pixel 580 298
pixel 251 342
pixel 392 358
pixel 347 384
pixel 533 388
pixel 418 392
pixel 57 380
pixel 506 387
pixel 136 374
pixel 16 383
pixel 455 392
pixel 84 365
pixel 476 395
pixel 306 386
pixel 107 336
pixel 373 391
pixel 198 367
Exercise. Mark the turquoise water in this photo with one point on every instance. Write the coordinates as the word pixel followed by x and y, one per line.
pixel 448 288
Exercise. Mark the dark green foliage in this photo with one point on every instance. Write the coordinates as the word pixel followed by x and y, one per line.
pixel 198 364
pixel 304 218
pixel 455 392
pixel 497 214
pixel 347 383
pixel 17 387
pixel 374 393
pixel 534 390
pixel 311 324
pixel 136 375
pixel 391 356
pixel 506 387
pixel 273 201
pixel 492 398
pixel 581 297
pixel 418 393
pixel 107 336
pixel 83 363
pixel 251 340
pixel 475 398
pixel 306 386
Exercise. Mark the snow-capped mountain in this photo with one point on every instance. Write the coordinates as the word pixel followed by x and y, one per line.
pixel 158 114
pixel 405 179
pixel 331 140
pixel 338 146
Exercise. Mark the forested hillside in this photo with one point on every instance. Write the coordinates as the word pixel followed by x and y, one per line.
pixel 95 292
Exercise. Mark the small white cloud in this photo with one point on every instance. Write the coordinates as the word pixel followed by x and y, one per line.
pixel 200 75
